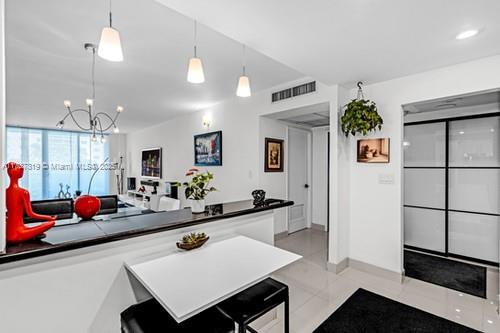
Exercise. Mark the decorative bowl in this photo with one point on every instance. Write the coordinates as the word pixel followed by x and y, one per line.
pixel 193 243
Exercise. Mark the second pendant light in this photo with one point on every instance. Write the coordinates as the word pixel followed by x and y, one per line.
pixel 195 67
pixel 243 89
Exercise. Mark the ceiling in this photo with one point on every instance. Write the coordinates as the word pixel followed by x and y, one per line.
pixel 314 115
pixel 46 62
pixel 343 41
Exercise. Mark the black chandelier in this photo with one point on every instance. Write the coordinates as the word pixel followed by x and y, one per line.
pixel 95 120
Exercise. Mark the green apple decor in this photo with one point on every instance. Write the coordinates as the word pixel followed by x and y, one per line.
pixel 360 116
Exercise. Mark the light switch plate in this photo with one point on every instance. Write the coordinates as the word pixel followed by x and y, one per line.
pixel 386 178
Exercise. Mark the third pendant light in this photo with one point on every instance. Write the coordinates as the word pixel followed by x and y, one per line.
pixel 110 46
pixel 243 89
pixel 195 68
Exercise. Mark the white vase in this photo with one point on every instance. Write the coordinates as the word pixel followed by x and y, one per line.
pixel 197 206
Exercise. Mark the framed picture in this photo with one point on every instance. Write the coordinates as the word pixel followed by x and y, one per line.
pixel 374 150
pixel 273 155
pixel 208 149
pixel 151 163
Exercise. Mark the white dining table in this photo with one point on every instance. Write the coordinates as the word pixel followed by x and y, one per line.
pixel 186 283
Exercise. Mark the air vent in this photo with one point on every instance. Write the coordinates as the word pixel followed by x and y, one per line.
pixel 305 88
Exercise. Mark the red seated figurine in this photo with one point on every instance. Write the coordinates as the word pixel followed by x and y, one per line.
pixel 18 202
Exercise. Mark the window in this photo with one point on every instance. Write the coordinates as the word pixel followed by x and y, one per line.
pixel 54 157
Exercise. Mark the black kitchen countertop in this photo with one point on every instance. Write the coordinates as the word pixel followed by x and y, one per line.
pixel 87 233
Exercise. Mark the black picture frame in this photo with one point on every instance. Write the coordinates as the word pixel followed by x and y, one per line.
pixel 270 147
pixel 208 149
pixel 151 172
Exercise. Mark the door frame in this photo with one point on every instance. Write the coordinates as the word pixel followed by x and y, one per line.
pixel 309 174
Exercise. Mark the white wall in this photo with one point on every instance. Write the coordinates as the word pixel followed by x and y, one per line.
pixel 320 176
pixel 117 148
pixel 376 234
pixel 243 144
pixel 274 183
pixel 2 125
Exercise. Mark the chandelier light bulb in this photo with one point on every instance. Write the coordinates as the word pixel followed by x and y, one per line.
pixel 119 109
pixel 243 89
pixel 60 124
pixel 116 130
pixel 103 139
pixel 67 103
pixel 94 138
pixel 89 101
pixel 195 71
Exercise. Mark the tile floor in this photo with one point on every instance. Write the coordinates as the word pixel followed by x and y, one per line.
pixel 315 293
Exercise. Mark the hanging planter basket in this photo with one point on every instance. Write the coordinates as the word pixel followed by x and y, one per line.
pixel 360 116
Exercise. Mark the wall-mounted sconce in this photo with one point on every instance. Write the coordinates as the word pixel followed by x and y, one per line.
pixel 207 121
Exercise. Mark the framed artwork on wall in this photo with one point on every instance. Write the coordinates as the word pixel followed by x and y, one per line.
pixel 273 159
pixel 151 163
pixel 208 149
pixel 373 150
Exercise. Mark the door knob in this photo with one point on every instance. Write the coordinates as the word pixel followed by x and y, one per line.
pixel 306 185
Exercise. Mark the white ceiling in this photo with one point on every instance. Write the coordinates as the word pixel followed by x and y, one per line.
pixel 46 62
pixel 343 41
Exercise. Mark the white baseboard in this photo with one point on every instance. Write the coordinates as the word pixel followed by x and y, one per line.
pixel 319 227
pixel 280 235
pixel 365 267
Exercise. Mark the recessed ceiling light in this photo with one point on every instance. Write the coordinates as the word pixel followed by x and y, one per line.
pixel 467 34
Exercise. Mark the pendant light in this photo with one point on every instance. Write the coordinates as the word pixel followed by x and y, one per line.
pixel 243 89
pixel 110 46
pixel 195 68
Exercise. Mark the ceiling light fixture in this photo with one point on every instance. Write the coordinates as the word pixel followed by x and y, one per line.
pixel 95 125
pixel 243 89
pixel 467 34
pixel 195 67
pixel 110 46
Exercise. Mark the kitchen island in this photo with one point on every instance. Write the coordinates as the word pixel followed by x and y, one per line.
pixel 77 271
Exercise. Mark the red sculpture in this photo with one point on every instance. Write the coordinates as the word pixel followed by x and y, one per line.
pixel 86 206
pixel 18 202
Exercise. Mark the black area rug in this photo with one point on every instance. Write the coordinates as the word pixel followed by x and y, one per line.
pixel 467 278
pixel 366 312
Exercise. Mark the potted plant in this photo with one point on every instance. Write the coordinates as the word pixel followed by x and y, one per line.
pixel 360 116
pixel 198 188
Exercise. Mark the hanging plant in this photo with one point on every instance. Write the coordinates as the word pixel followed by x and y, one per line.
pixel 360 116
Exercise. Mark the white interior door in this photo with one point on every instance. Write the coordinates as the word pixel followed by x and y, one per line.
pixel 298 186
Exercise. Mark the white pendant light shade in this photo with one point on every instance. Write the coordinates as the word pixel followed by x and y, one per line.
pixel 110 46
pixel 243 89
pixel 195 71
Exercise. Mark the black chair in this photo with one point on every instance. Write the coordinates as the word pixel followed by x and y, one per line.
pixel 62 208
pixel 254 302
pixel 150 317
pixel 109 204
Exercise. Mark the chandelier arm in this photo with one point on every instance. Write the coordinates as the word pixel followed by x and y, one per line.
pixel 96 118
pixel 113 121
pixel 76 122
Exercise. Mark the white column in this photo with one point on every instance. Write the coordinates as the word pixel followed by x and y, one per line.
pixel 2 124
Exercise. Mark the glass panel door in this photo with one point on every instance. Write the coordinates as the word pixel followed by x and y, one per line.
pixel 451 187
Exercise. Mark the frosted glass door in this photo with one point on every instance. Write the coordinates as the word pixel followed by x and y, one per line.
pixel 425 228
pixel 475 142
pixel 474 235
pixel 425 186
pixel 424 145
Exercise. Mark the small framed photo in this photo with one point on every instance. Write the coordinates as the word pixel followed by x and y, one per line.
pixel 374 150
pixel 208 149
pixel 273 155
pixel 151 163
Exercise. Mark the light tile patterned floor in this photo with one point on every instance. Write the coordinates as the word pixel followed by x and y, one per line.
pixel 315 293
